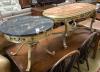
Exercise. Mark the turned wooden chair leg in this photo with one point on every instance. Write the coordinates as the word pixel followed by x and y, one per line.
pixel 87 63
pixel 94 53
pixel 78 67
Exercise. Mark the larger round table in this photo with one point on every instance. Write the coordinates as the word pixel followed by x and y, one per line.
pixel 26 30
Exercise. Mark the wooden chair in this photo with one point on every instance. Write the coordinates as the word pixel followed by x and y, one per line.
pixel 95 28
pixel 65 64
pixel 85 48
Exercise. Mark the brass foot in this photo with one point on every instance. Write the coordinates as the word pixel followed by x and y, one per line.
pixel 64 41
pixel 51 53
pixel 28 66
pixel 64 44
pixel 12 53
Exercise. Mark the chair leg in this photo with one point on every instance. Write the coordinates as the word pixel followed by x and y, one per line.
pixel 87 63
pixel 78 67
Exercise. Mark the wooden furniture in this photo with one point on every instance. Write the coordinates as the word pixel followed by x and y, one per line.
pixel 86 47
pixel 38 10
pixel 25 3
pixel 66 63
pixel 42 2
pixel 42 61
pixel 95 26
pixel 97 0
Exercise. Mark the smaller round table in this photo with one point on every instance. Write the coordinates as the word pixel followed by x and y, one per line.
pixel 27 30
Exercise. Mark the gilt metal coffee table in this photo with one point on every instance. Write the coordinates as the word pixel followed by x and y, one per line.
pixel 27 30
pixel 71 12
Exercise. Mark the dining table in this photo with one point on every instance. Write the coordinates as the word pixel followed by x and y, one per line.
pixel 41 60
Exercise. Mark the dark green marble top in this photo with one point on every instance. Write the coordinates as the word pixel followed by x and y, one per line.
pixel 26 25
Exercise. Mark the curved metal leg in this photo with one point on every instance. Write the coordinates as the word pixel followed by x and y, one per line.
pixel 18 49
pixel 64 41
pixel 93 20
pixel 73 25
pixel 49 52
pixel 46 48
pixel 29 58
pixel 65 35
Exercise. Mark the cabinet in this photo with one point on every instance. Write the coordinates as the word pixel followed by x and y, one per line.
pixel 97 0
pixel 38 10
pixel 25 3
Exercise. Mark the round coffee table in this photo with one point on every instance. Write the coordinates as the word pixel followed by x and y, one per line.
pixel 71 13
pixel 27 30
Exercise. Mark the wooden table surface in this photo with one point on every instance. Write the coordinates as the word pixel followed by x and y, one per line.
pixel 42 61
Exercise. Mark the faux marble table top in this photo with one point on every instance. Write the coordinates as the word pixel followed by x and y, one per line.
pixel 26 25
pixel 69 11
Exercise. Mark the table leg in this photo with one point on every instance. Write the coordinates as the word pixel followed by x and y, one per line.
pixel 46 48
pixel 65 35
pixel 18 49
pixel 29 58
pixel 93 20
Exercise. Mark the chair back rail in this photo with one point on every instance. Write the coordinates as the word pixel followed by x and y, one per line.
pixel 87 45
pixel 66 62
